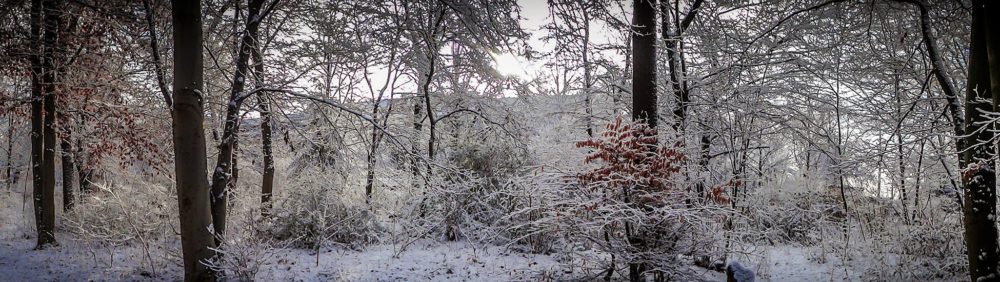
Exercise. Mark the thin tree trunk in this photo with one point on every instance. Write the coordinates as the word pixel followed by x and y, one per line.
pixel 673 43
pixel 430 42
pixel 899 148
pixel 950 92
pixel 68 168
pixel 916 182
pixel 372 150
pixel 84 172
pixel 418 124
pixel 154 50
pixel 267 184
pixel 190 154
pixel 10 152
pixel 222 175
pixel 588 82
pixel 430 110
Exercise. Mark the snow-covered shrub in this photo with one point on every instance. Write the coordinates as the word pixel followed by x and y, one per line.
pixel 125 212
pixel 785 218
pixel 526 222
pixel 241 257
pixel 479 192
pixel 491 158
pixel 313 214
pixel 920 251
pixel 121 214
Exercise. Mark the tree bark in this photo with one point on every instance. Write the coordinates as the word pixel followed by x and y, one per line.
pixel 979 175
pixel 224 168
pixel 190 154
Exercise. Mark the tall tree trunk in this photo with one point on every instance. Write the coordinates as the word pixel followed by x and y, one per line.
pixel 53 21
pixel 979 175
pixel 224 168
pixel 43 200
pixel 189 142
pixel 643 97
pixel 267 184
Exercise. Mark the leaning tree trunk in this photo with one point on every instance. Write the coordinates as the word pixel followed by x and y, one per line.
pixel 189 142
pixel 224 168
pixel 979 175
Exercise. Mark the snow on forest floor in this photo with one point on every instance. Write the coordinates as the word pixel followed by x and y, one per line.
pixel 456 261
pixel 422 261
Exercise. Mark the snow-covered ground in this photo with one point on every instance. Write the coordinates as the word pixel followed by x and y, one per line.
pixel 421 262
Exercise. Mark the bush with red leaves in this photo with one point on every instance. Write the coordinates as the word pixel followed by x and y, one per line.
pixel 635 204
pixel 632 164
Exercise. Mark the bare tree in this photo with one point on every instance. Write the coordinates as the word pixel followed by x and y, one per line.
pixel 225 169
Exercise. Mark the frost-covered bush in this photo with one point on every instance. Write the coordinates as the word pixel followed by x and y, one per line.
pixel 122 214
pixel 480 192
pixel 461 204
pixel 243 256
pixel 313 214
pixel 783 218
pixel 491 158
pixel 921 251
